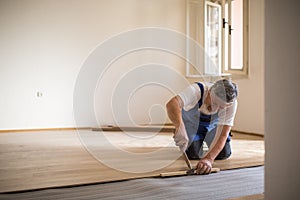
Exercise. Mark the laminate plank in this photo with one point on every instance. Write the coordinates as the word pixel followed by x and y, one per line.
pixel 50 159
pixel 250 197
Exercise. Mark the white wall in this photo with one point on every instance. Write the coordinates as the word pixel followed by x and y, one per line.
pixel 250 114
pixel 282 99
pixel 44 43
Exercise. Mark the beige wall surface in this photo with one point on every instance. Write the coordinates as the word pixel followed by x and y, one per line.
pixel 250 114
pixel 282 99
pixel 45 43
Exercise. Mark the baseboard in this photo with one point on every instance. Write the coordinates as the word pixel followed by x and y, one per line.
pixel 248 133
pixel 136 128
pixel 82 128
pixel 162 129
pixel 44 129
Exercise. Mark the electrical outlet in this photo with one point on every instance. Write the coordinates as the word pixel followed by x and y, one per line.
pixel 39 94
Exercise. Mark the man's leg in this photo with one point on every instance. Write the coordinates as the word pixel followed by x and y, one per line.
pixel 194 151
pixel 225 153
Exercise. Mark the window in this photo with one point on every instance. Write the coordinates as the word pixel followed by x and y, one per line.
pixel 221 28
pixel 236 37
pixel 213 38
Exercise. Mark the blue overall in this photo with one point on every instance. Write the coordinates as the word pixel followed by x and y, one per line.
pixel 201 127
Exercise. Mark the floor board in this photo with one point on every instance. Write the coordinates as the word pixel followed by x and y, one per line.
pixel 250 197
pixel 47 159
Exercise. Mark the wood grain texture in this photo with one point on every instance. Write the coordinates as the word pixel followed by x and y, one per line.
pixel 184 173
pixel 49 159
pixel 250 197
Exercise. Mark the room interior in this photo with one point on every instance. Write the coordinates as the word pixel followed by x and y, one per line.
pixel 45 48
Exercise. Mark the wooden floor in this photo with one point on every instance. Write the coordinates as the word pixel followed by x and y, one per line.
pixel 250 197
pixel 34 160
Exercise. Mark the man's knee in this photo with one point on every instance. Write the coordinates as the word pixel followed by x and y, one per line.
pixel 195 151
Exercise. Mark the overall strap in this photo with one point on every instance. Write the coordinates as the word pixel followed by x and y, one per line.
pixel 206 123
pixel 202 92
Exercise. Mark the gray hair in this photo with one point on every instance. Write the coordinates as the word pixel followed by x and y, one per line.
pixel 225 90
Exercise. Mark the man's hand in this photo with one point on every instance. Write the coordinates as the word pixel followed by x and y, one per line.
pixel 204 166
pixel 181 139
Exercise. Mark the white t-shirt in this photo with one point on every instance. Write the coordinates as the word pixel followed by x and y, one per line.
pixel 191 95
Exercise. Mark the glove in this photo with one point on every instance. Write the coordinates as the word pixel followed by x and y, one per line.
pixel 181 139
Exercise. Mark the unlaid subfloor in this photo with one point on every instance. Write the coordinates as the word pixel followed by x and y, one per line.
pixel 226 184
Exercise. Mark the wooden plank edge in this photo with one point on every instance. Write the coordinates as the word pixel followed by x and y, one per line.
pixel 135 129
pixel 45 129
pixel 85 183
pixel 250 197
pixel 183 173
pixel 248 133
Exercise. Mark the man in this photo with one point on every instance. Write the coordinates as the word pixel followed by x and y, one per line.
pixel 204 114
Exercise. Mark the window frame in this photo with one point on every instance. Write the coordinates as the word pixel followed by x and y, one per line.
pixel 244 70
pixel 200 38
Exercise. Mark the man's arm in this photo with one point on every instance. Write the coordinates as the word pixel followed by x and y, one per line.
pixel 205 164
pixel 174 107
